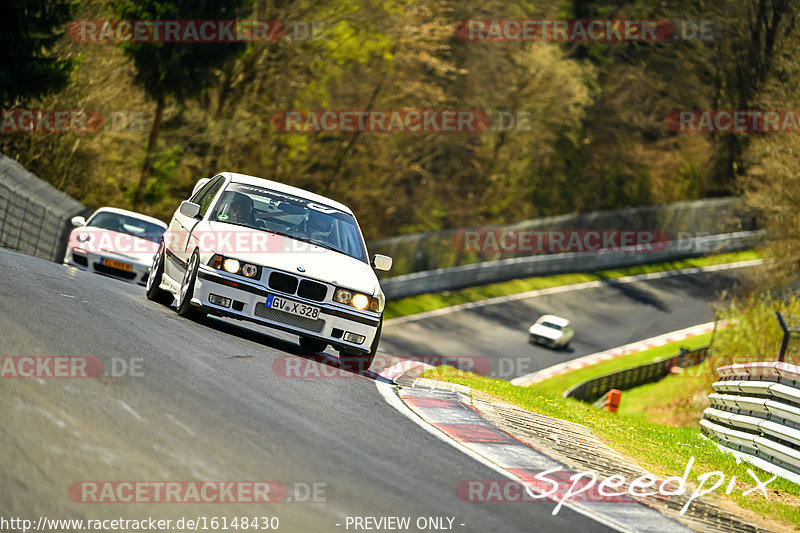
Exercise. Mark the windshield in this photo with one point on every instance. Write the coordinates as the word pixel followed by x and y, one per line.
pixel 126 224
pixel 550 325
pixel 299 218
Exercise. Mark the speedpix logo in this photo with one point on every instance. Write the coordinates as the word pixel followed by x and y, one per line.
pixel 561 486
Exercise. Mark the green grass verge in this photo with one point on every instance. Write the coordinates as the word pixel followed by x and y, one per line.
pixel 663 450
pixel 560 384
pixel 429 302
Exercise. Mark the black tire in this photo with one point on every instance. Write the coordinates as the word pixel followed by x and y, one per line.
pixel 313 345
pixel 152 289
pixel 355 363
pixel 185 307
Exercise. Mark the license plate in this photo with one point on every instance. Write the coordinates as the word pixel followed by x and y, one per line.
pixel 119 265
pixel 292 307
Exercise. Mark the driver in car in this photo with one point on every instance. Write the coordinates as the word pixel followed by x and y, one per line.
pixel 240 210
pixel 319 225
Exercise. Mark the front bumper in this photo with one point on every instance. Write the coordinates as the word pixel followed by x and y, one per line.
pixel 547 341
pixel 248 302
pixel 92 262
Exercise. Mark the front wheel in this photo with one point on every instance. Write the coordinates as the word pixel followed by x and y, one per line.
pixel 356 363
pixel 185 307
pixel 153 290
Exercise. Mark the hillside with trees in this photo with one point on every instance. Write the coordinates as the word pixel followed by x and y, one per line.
pixel 597 137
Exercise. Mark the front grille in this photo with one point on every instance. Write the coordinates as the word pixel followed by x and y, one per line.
pixel 114 271
pixel 82 261
pixel 312 290
pixel 301 322
pixel 283 282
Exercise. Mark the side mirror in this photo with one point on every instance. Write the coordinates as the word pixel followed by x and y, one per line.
pixel 189 209
pixel 382 262
pixel 199 185
pixel 78 221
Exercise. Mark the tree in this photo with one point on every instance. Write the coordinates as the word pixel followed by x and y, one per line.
pixel 176 69
pixel 28 30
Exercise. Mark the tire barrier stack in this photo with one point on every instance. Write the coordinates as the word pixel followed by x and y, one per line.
pixel 755 410
pixel 34 215
pixel 593 389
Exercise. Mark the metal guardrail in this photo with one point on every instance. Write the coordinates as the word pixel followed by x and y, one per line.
pixel 755 410
pixel 593 389
pixel 544 265
pixel 34 215
pixel 439 249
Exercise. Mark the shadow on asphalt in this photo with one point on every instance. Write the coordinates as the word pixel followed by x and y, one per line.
pixel 243 332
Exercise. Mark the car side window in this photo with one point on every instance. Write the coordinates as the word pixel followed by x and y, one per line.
pixel 203 190
pixel 206 195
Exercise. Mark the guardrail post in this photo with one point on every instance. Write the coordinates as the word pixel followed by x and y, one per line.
pixel 787 333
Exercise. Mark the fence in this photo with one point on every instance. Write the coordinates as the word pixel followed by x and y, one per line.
pixel 593 389
pixel 436 250
pixel 755 410
pixel 34 216
pixel 552 264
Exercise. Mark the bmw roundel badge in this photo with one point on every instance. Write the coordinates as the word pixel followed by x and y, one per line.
pixel 301 269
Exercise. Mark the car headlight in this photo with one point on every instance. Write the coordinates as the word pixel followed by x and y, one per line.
pixel 358 300
pixel 249 271
pixel 234 266
pixel 231 265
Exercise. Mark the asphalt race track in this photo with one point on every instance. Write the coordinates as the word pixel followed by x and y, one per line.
pixel 203 402
pixel 604 317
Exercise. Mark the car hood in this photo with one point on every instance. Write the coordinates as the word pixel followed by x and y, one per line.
pixel 544 331
pixel 122 245
pixel 290 255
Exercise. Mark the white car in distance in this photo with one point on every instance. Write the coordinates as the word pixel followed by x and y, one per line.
pixel 552 331
pixel 252 249
pixel 114 242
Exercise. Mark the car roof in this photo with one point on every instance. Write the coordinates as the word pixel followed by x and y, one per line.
pixel 557 320
pixel 288 189
pixel 131 214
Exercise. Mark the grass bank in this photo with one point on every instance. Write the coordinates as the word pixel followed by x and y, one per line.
pixel 638 438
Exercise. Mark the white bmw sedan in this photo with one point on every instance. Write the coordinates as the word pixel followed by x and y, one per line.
pixel 552 331
pixel 114 242
pixel 257 250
